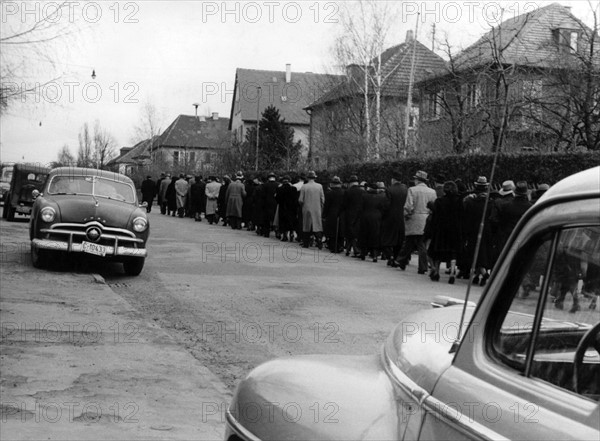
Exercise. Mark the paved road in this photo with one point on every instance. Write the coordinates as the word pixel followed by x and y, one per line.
pixel 234 299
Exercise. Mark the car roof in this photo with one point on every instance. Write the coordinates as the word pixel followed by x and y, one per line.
pixel 586 182
pixel 28 167
pixel 81 171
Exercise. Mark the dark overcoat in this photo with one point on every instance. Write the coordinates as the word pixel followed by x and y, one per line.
pixel 375 205
pixel 332 210
pixel 446 228
pixel 148 190
pixel 235 195
pixel 269 202
pixel 198 197
pixel 287 200
pixel 392 224
pixel 473 211
pixel 352 206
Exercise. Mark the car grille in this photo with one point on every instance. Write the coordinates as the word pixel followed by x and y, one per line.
pixel 92 232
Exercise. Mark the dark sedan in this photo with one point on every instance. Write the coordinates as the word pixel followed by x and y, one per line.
pixel 89 211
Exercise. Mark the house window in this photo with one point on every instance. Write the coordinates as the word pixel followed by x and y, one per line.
pixel 207 157
pixel 566 40
pixel 433 104
pixel 176 158
pixel 472 96
pixel 192 157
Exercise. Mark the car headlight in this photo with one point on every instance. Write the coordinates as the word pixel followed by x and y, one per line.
pixel 140 224
pixel 48 214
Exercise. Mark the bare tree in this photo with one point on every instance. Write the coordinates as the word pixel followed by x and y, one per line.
pixel 149 123
pixel 85 154
pixel 64 157
pixel 104 146
pixel 365 30
pixel 29 45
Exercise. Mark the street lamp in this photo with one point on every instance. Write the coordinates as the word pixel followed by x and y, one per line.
pixel 258 89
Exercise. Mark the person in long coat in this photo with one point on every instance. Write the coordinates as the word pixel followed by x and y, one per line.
pixel 352 205
pixel 473 213
pixel 506 216
pixel 222 200
pixel 312 199
pixel 258 211
pixel 148 190
pixel 269 204
pixel 248 207
pixel 181 189
pixel 162 193
pixel 212 195
pixel 287 201
pixel 236 192
pixel 171 196
pixel 415 217
pixel 446 231
pixel 332 210
pixel 197 198
pixel 392 224
pixel 158 197
pixel 375 206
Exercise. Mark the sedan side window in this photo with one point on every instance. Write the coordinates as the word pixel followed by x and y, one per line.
pixel 561 315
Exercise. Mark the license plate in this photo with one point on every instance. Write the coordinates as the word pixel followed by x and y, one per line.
pixel 93 248
pixel 24 210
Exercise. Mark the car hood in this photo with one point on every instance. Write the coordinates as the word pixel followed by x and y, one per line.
pixel 420 345
pixel 317 397
pixel 83 208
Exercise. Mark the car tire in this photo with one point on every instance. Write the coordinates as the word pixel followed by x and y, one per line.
pixel 10 213
pixel 134 265
pixel 39 257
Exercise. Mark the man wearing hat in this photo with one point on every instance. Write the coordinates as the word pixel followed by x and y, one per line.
pixel 212 196
pixel 181 189
pixel 269 204
pixel 162 193
pixel 287 205
pixel 235 194
pixel 392 224
pixel 148 190
pixel 331 215
pixel 157 188
pixel 415 215
pixel 312 199
pixel 197 198
pixel 352 205
pixel 509 214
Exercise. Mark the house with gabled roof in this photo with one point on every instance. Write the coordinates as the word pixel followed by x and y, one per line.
pixel 191 143
pixel 338 118
pixel 517 87
pixel 132 159
pixel 290 92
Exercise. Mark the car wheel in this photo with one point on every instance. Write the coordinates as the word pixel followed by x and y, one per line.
pixel 10 213
pixel 39 257
pixel 134 266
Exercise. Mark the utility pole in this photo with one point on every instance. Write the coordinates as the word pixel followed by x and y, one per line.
pixel 258 93
pixel 410 89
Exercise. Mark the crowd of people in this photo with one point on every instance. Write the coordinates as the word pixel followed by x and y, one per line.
pixel 365 220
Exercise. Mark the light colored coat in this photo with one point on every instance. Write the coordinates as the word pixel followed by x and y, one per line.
pixel 236 192
pixel 181 188
pixel 212 194
pixel 415 208
pixel 312 199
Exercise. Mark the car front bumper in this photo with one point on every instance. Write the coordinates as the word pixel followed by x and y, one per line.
pixel 55 245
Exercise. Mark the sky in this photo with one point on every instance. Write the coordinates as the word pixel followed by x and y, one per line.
pixel 173 54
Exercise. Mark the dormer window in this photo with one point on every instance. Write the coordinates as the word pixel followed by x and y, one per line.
pixel 566 40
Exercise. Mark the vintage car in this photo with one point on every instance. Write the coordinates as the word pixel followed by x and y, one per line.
pixel 5 178
pixel 24 180
pixel 525 364
pixel 82 210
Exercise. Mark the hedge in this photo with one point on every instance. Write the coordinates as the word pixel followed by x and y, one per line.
pixel 535 168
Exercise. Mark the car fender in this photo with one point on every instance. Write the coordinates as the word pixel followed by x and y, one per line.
pixel 317 397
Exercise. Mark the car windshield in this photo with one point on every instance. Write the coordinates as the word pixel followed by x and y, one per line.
pixel 92 185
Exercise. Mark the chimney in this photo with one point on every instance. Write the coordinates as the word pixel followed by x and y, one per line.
pixel 202 118
pixel 354 72
pixel 409 36
pixel 215 116
pixel 288 73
